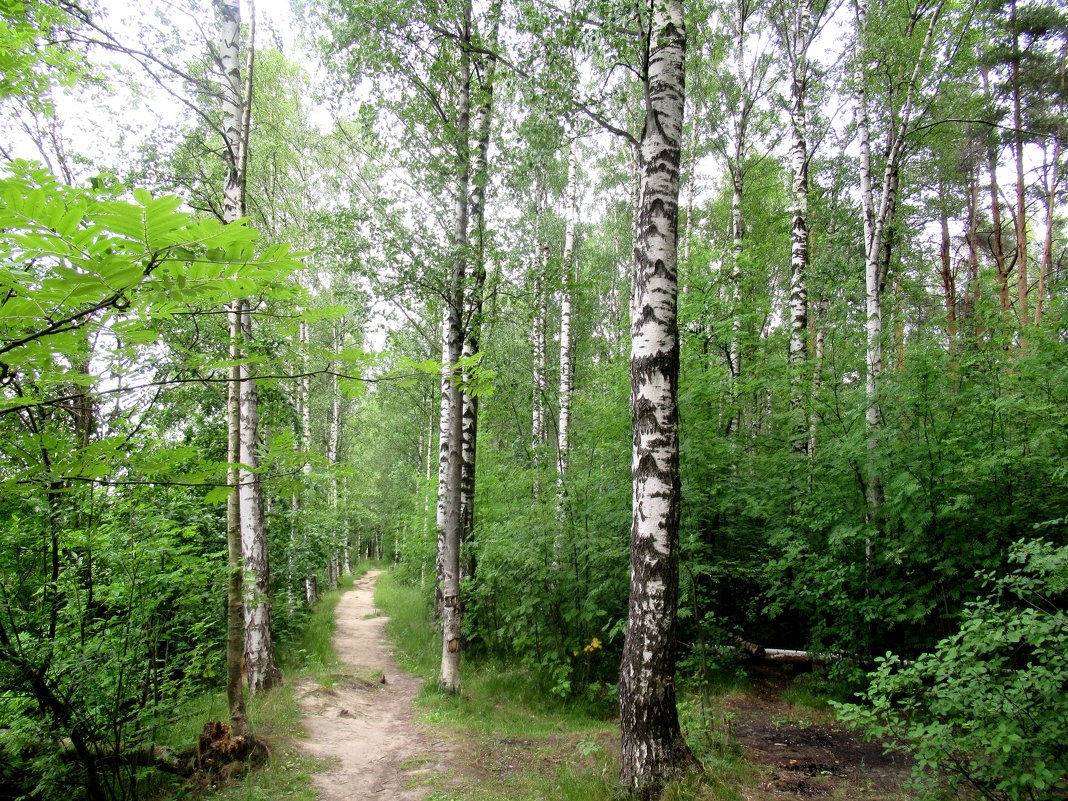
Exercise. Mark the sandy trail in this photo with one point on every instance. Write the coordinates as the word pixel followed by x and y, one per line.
pixel 363 726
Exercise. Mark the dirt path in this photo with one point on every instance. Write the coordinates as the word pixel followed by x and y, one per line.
pixel 364 723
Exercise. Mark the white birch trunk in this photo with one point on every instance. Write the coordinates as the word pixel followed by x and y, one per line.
pixel 878 216
pixel 653 749
pixel 472 342
pixel 817 383
pixel 1021 185
pixel 567 271
pixel 1045 270
pixel 537 337
pixel 246 528
pixel 451 609
pixel 233 209
pixel 260 664
pixel 798 57
pixel 333 566
pixel 444 420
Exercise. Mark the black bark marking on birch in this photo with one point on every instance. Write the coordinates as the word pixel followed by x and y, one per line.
pixel 663 365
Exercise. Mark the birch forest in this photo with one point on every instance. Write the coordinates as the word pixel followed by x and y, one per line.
pixel 648 342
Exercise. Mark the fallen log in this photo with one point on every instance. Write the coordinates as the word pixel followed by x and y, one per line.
pixel 750 652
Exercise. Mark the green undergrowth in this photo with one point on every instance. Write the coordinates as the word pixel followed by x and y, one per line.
pixel 275 716
pixel 311 654
pixel 516 741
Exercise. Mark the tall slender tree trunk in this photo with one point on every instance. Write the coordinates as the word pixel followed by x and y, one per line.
pixel 233 209
pixel 235 612
pixel 1001 262
pixel 567 271
pixel 949 281
pixel 1021 186
pixel 797 354
pixel 333 568
pixel 737 248
pixel 260 663
pixel 879 212
pixel 973 295
pixel 1045 270
pixel 304 390
pixel 819 345
pixel 444 421
pixel 473 341
pixel 873 307
pixel 653 749
pixel 261 668
pixel 538 340
pixel 451 608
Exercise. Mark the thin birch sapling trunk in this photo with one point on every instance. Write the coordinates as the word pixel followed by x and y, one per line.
pixel 333 568
pixel 304 389
pixel 878 217
pixel 540 384
pixel 1045 270
pixel 444 421
pixel 1001 261
pixel 1021 186
pixel 653 748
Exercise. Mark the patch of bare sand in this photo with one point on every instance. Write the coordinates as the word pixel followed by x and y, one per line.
pixel 364 725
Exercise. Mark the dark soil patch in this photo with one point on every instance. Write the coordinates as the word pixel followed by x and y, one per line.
pixel 805 753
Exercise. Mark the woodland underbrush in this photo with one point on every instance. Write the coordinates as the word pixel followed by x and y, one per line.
pixel 519 740
pixel 275 716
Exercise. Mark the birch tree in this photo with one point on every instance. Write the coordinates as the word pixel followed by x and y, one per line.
pixel 653 749
pixel 453 336
pixel 795 28
pixel 246 525
pixel 567 276
pixel 879 197
pixel 486 70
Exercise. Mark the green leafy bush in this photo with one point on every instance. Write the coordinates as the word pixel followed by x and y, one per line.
pixel 987 710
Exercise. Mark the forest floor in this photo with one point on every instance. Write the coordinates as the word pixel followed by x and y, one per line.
pixel 387 740
pixel 803 752
pixel 360 719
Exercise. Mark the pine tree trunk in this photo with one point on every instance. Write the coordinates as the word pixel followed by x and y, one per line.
pixel 653 749
pixel 451 608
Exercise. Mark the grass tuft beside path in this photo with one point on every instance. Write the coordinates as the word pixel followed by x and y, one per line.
pixel 274 715
pixel 518 742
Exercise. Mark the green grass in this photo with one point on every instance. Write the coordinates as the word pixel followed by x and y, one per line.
pixel 518 742
pixel 273 715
